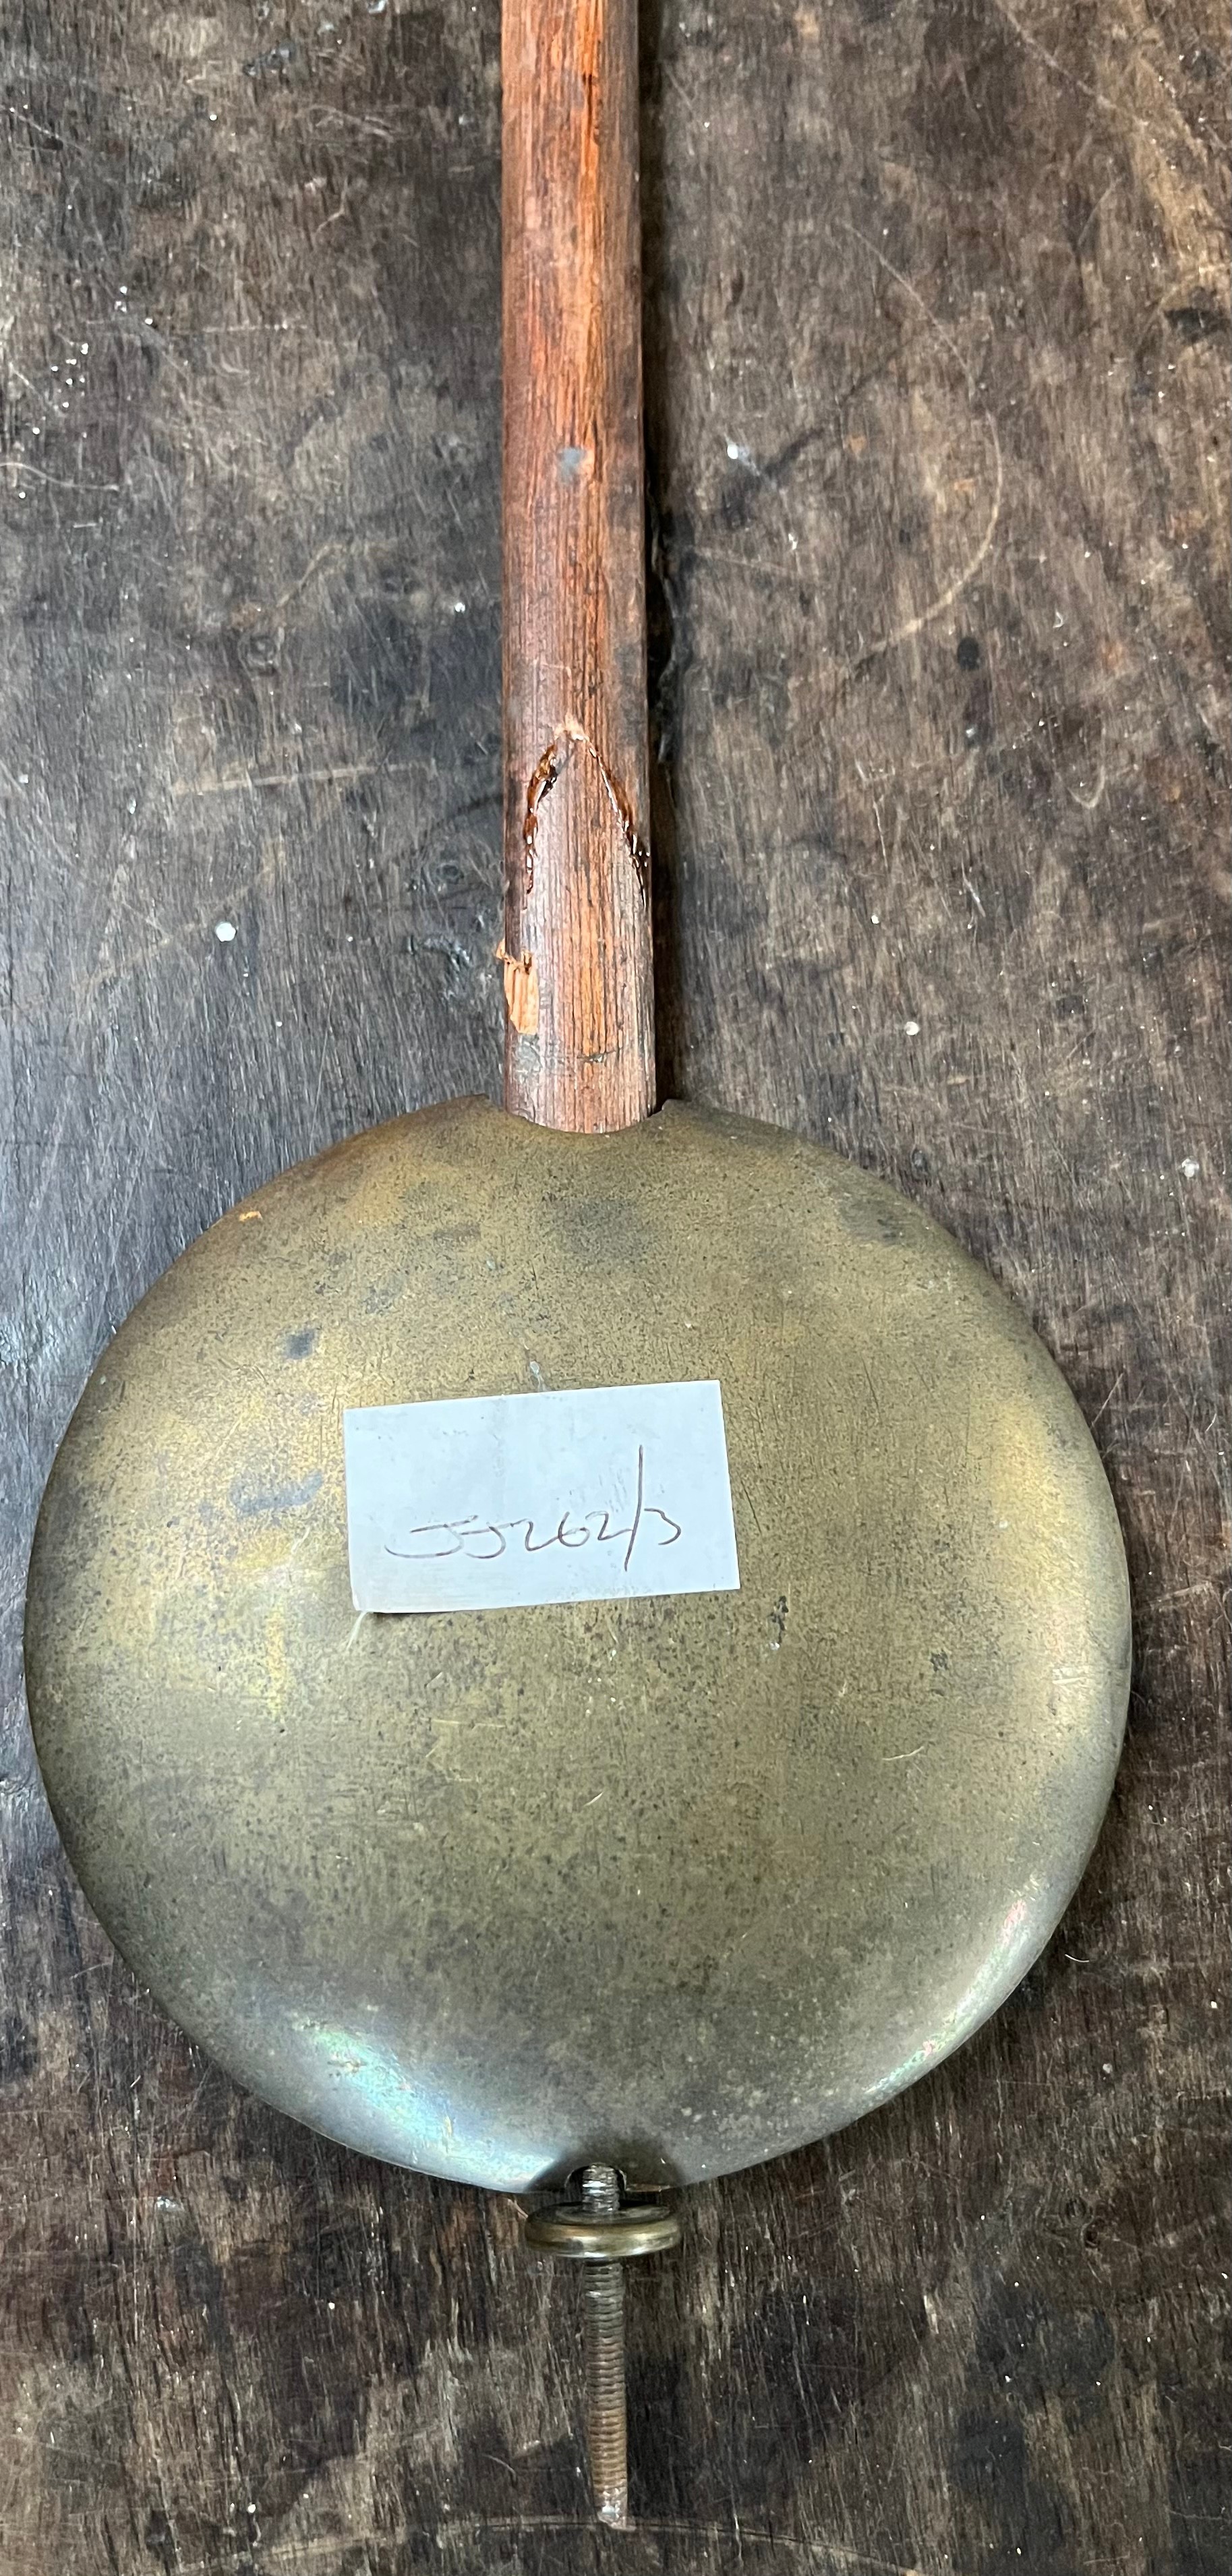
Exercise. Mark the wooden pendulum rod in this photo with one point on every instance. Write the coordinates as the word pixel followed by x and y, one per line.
pixel 579 1040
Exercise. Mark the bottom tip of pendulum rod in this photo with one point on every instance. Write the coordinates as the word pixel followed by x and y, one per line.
pixel 602 2234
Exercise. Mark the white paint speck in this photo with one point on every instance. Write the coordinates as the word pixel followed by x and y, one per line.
pixel 224 931
pixel 1190 1169
pixel 911 1028
pixel 875 919
pixel 459 608
pixel 738 455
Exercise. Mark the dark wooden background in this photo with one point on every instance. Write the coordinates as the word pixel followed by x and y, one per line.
pixel 936 351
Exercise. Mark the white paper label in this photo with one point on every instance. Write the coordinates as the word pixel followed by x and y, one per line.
pixel 493 1502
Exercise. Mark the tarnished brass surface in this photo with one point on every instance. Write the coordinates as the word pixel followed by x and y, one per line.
pixel 640 2227
pixel 673 1884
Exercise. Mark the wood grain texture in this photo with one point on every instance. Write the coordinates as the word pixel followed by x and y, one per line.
pixel 579 1047
pixel 936 359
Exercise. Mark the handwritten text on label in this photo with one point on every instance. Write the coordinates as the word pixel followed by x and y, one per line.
pixel 488 1502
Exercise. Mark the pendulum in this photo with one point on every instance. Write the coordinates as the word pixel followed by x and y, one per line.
pixel 577 1647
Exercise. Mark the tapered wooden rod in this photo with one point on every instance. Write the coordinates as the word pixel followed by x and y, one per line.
pixel 579 1001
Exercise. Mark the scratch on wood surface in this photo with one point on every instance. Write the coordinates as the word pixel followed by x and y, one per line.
pixel 245 782
pixel 257 612
pixel 937 328
pixel 20 470
pixel 953 591
pixel 1072 79
pixel 113 970
pixel 788 576
pixel 1089 803
pixel 821 2554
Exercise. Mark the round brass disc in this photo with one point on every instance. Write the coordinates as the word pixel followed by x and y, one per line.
pixel 673 1884
pixel 635 2230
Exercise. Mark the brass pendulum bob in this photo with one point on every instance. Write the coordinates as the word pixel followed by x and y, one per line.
pixel 579 1898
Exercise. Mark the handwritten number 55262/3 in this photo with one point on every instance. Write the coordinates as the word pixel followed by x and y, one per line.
pixel 466 1537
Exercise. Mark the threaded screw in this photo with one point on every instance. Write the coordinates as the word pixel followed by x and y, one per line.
pixel 603 2233
pixel 603 2315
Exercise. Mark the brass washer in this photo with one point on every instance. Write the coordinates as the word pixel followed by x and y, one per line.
pixel 581 2237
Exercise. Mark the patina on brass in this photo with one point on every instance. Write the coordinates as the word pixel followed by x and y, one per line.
pixel 667 1885
pixel 619 2234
